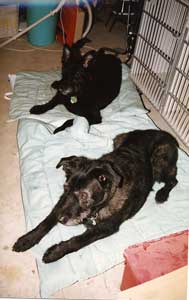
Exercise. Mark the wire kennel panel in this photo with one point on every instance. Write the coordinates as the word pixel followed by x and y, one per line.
pixel 161 42
pixel 176 108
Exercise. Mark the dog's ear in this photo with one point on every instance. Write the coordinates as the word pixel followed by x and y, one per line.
pixel 87 57
pixel 72 163
pixel 68 161
pixel 66 54
pixel 117 171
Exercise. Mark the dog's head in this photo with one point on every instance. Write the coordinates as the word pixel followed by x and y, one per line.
pixel 88 190
pixel 74 71
pixel 74 80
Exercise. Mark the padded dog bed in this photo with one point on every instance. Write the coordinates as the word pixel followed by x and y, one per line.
pixel 42 183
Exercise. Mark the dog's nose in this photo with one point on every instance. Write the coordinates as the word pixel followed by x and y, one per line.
pixel 65 90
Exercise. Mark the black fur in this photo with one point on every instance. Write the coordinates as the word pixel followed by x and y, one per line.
pixel 103 193
pixel 89 83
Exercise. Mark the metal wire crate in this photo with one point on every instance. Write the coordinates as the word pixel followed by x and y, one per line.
pixel 160 66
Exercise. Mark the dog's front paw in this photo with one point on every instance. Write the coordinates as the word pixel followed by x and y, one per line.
pixel 37 110
pixel 55 252
pixel 23 243
pixel 161 196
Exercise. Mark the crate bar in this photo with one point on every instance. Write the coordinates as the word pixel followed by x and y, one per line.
pixel 170 107
pixel 154 75
pixel 147 32
pixel 176 33
pixel 159 57
pixel 176 85
pixel 185 76
pixel 155 86
pixel 161 61
pixel 145 47
pixel 180 124
pixel 160 65
pixel 156 49
pixel 181 19
pixel 154 32
pixel 175 77
pixel 181 96
pixel 177 100
pixel 185 128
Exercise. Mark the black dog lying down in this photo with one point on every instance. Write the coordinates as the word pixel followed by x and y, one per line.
pixel 89 83
pixel 103 193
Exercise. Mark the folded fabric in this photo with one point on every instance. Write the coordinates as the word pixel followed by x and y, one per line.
pixel 42 183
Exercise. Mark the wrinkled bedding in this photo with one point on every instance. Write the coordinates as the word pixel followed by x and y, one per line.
pixel 42 183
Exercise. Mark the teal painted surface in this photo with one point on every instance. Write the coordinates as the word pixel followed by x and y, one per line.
pixel 44 33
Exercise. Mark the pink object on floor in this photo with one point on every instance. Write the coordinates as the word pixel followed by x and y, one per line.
pixel 152 259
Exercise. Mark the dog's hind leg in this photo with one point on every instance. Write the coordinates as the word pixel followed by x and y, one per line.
pixel 66 124
pixel 163 194
pixel 93 117
pixel 164 161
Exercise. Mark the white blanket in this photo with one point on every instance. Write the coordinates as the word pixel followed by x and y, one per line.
pixel 42 183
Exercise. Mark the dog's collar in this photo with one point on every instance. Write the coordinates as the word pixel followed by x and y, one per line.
pixel 93 220
pixel 73 99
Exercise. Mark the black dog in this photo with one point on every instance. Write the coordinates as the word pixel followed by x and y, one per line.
pixel 89 83
pixel 105 192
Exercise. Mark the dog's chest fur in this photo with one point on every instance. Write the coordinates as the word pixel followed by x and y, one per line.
pixel 100 86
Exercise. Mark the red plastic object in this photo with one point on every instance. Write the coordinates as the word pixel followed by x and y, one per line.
pixel 68 17
pixel 72 19
pixel 152 259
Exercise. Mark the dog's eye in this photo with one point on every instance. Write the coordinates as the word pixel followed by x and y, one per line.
pixel 102 178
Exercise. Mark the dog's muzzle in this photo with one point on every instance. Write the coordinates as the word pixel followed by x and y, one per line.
pixel 71 221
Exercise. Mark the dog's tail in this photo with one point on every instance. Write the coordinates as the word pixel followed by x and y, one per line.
pixel 116 51
pixel 92 53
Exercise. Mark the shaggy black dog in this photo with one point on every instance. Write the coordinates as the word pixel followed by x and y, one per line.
pixel 89 83
pixel 102 193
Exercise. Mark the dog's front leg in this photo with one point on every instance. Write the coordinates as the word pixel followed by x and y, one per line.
pixel 33 237
pixel 55 84
pixel 40 109
pixel 92 234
